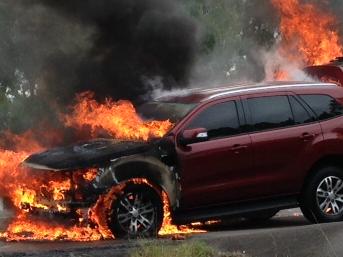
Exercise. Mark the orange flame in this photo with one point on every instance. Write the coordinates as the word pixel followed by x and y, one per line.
pixel 24 228
pixel 167 226
pixel 308 34
pixel 28 191
pixel 119 119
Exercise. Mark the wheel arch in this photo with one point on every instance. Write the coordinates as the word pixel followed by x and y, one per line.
pixel 149 168
pixel 328 160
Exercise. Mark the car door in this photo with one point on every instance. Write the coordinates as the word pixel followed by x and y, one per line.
pixel 210 169
pixel 282 133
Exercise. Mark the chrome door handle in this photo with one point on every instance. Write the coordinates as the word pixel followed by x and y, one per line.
pixel 307 136
pixel 237 148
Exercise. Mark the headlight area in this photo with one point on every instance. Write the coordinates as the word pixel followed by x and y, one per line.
pixel 55 191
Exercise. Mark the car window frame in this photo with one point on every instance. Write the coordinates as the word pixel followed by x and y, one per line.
pixel 307 109
pixel 312 111
pixel 249 125
pixel 240 114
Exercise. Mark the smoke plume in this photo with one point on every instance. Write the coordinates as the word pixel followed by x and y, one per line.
pixel 118 46
pixel 51 50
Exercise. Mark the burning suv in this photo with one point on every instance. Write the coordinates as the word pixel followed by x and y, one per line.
pixel 245 151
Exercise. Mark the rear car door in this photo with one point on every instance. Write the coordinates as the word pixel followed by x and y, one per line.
pixel 210 169
pixel 329 112
pixel 283 132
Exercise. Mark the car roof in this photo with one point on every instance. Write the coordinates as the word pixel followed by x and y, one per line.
pixel 197 95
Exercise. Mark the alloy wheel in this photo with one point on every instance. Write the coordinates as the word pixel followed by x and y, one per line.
pixel 329 195
pixel 136 213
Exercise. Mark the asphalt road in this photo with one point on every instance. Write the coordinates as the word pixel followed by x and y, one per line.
pixel 287 234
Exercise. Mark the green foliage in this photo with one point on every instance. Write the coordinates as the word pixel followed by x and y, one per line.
pixel 231 33
pixel 20 107
pixel 220 22
pixel 187 249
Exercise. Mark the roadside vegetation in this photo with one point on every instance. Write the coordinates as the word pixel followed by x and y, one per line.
pixel 186 249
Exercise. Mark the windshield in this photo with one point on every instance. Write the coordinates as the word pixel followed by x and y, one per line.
pixel 164 111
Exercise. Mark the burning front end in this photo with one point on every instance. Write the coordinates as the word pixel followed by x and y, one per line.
pixel 103 187
pixel 113 187
pixel 64 180
pixel 58 192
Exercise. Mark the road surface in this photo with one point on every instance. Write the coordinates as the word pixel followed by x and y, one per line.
pixel 287 234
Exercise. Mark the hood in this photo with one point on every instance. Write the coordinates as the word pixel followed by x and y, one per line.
pixel 84 155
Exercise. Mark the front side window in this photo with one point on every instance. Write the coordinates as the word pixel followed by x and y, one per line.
pixel 220 120
pixel 270 112
pixel 324 106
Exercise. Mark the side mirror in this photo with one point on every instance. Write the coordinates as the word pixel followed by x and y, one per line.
pixel 191 136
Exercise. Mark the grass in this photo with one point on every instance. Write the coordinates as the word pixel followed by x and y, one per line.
pixel 186 249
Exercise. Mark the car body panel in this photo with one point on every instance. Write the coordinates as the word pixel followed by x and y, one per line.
pixel 217 165
pixel 280 155
pixel 84 154
pixel 221 172
pixel 333 136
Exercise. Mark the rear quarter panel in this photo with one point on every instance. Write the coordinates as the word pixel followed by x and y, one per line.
pixel 333 136
pixel 332 129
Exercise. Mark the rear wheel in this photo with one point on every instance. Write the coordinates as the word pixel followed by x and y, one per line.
pixel 322 199
pixel 138 212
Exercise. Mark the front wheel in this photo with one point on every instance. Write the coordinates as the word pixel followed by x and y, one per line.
pixel 138 212
pixel 322 199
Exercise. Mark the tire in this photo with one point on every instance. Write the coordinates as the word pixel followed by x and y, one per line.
pixel 138 212
pixel 261 215
pixel 322 197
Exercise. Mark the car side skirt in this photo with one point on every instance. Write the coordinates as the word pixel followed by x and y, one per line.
pixel 234 210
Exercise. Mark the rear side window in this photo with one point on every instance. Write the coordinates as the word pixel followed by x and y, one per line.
pixel 270 112
pixel 324 106
pixel 300 114
pixel 219 120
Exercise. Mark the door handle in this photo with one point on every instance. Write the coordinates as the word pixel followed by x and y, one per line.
pixel 237 148
pixel 307 136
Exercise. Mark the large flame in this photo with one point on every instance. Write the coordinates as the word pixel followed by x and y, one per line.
pixel 120 119
pixel 25 192
pixel 309 35
pixel 28 191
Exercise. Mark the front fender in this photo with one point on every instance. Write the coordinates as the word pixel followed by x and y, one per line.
pixel 138 166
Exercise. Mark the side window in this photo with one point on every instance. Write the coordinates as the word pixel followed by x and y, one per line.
pixel 270 112
pixel 219 120
pixel 324 106
pixel 300 114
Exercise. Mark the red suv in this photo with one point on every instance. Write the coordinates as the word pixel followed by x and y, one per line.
pixel 246 150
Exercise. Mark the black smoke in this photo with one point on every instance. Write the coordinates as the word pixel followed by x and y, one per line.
pixel 50 50
pixel 130 43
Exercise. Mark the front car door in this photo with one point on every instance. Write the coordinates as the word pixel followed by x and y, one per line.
pixel 211 171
